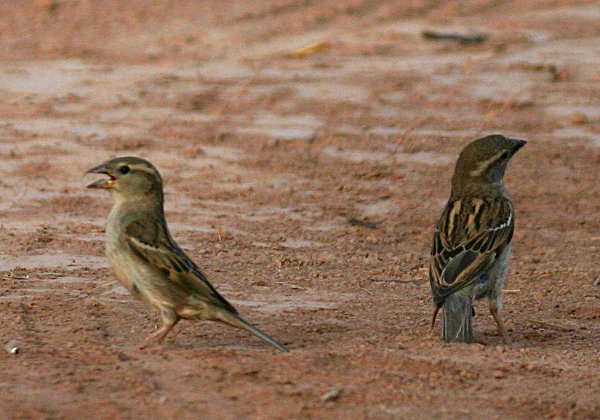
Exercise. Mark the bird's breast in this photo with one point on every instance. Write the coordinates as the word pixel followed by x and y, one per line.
pixel 125 270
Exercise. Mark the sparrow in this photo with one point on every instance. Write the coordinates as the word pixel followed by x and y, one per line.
pixel 473 238
pixel 148 262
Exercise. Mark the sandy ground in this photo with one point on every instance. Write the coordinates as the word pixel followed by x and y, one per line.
pixel 267 152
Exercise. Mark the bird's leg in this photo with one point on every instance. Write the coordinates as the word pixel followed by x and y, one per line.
pixel 436 309
pixel 496 311
pixel 169 319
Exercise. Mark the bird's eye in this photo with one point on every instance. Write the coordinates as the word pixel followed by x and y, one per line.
pixel 124 169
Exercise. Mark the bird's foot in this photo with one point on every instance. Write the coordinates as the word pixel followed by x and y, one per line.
pixel 158 334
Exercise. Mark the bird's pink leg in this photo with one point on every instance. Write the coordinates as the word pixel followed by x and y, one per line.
pixel 496 311
pixel 161 333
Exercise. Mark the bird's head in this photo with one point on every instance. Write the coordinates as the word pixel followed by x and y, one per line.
pixel 485 160
pixel 129 179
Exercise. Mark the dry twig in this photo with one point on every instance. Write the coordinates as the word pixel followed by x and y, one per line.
pixel 551 325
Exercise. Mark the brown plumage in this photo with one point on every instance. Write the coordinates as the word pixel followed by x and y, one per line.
pixel 472 240
pixel 146 259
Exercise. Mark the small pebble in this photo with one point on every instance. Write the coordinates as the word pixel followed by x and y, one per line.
pixel 579 118
pixel 12 347
pixel 332 395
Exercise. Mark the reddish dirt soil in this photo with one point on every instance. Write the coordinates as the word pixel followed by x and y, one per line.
pixel 267 152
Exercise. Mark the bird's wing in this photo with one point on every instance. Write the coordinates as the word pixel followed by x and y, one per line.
pixel 159 250
pixel 468 238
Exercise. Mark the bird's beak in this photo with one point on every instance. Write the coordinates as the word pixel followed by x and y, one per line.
pixel 104 183
pixel 517 144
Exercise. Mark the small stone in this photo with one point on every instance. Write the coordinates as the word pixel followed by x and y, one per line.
pixel 123 357
pixel 498 374
pixel 332 395
pixel 12 347
pixel 579 118
pixel 47 5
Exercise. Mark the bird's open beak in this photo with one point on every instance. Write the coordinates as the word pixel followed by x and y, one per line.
pixel 104 183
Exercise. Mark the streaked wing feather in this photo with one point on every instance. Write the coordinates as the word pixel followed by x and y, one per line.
pixel 165 256
pixel 467 240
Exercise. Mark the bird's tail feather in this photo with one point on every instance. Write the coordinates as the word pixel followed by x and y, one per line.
pixel 458 315
pixel 239 322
